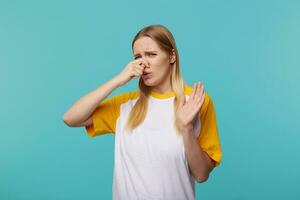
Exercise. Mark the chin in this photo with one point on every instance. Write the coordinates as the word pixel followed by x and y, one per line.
pixel 149 82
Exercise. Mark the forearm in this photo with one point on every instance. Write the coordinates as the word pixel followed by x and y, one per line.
pixel 85 106
pixel 199 162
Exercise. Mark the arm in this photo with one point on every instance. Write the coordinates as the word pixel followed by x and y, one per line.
pixel 79 114
pixel 199 162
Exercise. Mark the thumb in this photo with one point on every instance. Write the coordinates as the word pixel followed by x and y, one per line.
pixel 182 101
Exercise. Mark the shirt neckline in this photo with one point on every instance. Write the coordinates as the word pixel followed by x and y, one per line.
pixel 165 95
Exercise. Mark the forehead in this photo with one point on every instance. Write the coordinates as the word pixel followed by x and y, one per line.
pixel 145 44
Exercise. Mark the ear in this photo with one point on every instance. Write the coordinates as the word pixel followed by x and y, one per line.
pixel 173 57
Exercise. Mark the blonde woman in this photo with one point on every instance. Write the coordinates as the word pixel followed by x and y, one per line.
pixel 166 135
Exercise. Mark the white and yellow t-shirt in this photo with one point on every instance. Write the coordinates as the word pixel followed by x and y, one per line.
pixel 150 163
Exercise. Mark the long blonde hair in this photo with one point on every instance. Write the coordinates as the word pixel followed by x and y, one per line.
pixel 165 40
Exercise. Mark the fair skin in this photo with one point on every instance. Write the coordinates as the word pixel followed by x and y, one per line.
pixel 155 61
pixel 158 63
pixel 199 162
pixel 149 58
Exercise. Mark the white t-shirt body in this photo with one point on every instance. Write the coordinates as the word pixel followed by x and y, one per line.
pixel 150 162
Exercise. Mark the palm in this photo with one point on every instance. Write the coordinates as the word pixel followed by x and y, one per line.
pixel 188 110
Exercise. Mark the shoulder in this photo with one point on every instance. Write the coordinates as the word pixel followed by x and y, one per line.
pixel 125 96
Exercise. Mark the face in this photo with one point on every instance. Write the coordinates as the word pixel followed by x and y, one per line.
pixel 157 62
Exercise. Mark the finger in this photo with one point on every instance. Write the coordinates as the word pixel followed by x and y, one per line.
pixel 139 63
pixel 201 89
pixel 137 60
pixel 140 71
pixel 196 90
pixel 137 74
pixel 202 100
pixel 142 62
pixel 193 92
pixel 200 92
pixel 138 66
pixel 137 70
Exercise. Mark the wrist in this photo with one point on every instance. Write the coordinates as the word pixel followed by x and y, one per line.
pixel 186 129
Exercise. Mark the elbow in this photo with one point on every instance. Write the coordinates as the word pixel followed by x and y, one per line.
pixel 67 121
pixel 201 179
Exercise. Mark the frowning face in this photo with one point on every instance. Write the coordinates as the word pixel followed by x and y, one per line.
pixel 156 61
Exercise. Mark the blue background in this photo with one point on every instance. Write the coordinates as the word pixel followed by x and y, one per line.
pixel 246 53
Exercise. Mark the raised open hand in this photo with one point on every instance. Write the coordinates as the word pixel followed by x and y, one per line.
pixel 188 109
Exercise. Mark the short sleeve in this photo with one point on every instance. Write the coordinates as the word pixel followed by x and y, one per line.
pixel 209 137
pixel 104 118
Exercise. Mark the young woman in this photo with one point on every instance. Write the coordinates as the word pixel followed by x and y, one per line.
pixel 166 135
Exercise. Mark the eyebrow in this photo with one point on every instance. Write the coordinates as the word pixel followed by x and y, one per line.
pixel 146 52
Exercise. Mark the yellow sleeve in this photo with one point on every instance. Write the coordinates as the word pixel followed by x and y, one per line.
pixel 104 118
pixel 209 137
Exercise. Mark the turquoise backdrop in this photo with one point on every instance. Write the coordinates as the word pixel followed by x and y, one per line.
pixel 246 53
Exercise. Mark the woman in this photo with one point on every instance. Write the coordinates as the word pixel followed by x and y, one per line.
pixel 166 135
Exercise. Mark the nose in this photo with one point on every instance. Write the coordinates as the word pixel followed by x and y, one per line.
pixel 145 62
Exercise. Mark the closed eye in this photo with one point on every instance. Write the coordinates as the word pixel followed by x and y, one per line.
pixel 152 54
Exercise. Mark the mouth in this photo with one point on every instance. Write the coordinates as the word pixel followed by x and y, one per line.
pixel 146 75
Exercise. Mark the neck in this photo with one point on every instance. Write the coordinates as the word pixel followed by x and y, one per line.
pixel 161 90
pixel 164 87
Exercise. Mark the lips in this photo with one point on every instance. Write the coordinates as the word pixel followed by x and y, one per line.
pixel 146 75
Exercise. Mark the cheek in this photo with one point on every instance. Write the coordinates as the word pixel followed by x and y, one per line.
pixel 160 66
pixel 161 73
